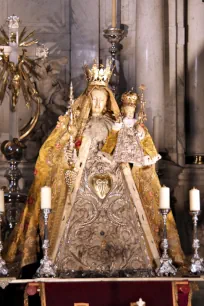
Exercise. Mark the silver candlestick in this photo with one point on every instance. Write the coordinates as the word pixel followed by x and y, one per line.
pixel 3 268
pixel 46 269
pixel 114 37
pixel 166 267
pixel 197 265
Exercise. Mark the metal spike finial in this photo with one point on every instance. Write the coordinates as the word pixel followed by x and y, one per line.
pixel 71 102
pixel 71 93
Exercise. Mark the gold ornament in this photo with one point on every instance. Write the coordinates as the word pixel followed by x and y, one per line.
pixel 98 75
pixel 25 40
pixel 70 150
pixel 142 116
pixel 103 244
pixel 129 98
pixel 101 184
pixel 21 74
pixel 70 177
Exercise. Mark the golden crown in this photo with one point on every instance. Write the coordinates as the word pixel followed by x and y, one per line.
pixel 129 98
pixel 98 75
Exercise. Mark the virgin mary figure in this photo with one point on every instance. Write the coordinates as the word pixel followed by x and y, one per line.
pixel 105 215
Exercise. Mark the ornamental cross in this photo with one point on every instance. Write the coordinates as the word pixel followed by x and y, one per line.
pixel 140 303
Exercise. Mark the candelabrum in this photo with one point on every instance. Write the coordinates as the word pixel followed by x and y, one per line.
pixel 197 265
pixel 17 70
pixel 14 198
pixel 166 268
pixel 46 269
pixel 114 37
pixel 3 268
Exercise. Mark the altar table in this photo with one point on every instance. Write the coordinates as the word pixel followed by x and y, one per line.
pixel 100 292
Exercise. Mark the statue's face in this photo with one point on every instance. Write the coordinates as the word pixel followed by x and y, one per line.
pixel 99 99
pixel 129 111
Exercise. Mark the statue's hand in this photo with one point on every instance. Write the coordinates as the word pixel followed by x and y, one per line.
pixel 69 154
pixel 117 126
pixel 140 132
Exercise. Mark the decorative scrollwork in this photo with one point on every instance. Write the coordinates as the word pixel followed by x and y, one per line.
pixel 103 232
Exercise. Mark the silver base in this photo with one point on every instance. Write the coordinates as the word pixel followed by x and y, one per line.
pixel 166 267
pixel 3 268
pixel 197 266
pixel 46 269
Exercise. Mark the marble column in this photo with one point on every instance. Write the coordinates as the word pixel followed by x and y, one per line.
pixel 180 70
pixel 195 79
pixel 150 60
pixel 84 39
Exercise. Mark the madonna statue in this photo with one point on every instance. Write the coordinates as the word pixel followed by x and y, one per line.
pixel 105 217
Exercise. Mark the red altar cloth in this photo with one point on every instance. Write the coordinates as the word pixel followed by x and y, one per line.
pixel 111 293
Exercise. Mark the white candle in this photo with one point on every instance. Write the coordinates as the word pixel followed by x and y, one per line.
pixel 164 199
pixel 2 206
pixel 45 197
pixel 113 13
pixel 194 195
pixel 14 53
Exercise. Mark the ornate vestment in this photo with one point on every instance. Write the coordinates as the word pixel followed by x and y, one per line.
pixel 103 232
pixel 50 170
pixel 128 148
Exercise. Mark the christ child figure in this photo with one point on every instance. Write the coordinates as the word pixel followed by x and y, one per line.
pixel 128 148
pixel 134 143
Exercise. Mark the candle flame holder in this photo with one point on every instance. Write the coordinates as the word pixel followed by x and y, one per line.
pixel 114 37
pixel 46 269
pixel 166 268
pixel 197 264
pixel 3 267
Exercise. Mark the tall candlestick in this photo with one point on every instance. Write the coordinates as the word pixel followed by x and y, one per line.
pixel 194 195
pixel 45 197
pixel 113 13
pixel 166 268
pixel 164 199
pixel 2 206
pixel 46 269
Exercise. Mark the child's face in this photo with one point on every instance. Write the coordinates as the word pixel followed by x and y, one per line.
pixel 129 111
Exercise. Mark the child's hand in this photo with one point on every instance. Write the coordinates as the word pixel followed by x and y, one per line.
pixel 140 132
pixel 117 126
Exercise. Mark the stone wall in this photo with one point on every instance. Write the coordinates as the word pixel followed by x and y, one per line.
pixel 153 54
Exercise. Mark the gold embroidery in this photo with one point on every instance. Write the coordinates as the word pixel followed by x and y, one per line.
pixel 23 244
